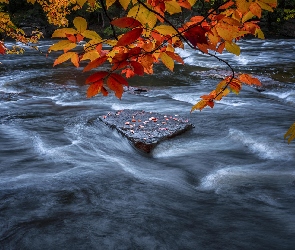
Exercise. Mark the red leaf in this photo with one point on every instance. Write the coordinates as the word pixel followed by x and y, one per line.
pixel 79 38
pixel 2 48
pixel 138 68
pixel 120 79
pixel 94 88
pixel 115 85
pixel 126 22
pixel 95 63
pixel 134 51
pixel 96 77
pixel 119 65
pixel 196 35
pixel 129 37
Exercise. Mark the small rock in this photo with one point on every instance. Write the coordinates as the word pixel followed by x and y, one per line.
pixel 146 135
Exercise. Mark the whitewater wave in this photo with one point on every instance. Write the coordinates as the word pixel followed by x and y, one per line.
pixel 258 145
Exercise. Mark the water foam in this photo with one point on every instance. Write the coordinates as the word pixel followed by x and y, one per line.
pixel 224 178
pixel 257 145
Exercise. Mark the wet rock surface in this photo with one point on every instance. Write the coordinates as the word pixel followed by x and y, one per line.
pixel 146 129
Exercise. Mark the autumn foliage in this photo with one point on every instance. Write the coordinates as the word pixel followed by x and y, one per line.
pixel 149 37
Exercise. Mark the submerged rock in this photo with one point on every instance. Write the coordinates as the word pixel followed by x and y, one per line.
pixel 146 129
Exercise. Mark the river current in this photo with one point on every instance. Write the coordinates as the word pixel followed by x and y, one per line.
pixel 67 183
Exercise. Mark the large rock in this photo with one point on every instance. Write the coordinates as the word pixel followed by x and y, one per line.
pixel 146 129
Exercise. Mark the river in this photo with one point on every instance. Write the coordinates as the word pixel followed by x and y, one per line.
pixel 67 183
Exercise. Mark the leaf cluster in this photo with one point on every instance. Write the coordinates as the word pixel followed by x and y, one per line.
pixel 148 36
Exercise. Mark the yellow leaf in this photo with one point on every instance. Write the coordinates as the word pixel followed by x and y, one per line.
pixel 90 55
pixel 167 60
pixel 222 94
pixel 227 32
pixel 199 105
pixel 111 42
pixel 265 6
pixel 172 7
pixel 290 134
pixel 64 57
pixel 124 3
pixel 91 34
pixel 166 30
pixel 64 32
pixel 81 2
pixel 259 34
pixel 192 2
pixel 243 6
pixel 213 37
pixel 269 1
pixel 92 44
pixel 221 86
pixel 62 45
pixel 109 3
pixel 80 24
pixel 247 17
pixel 232 48
pixel 143 15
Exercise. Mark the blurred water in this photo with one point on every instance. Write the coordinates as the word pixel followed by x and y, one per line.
pixel 67 183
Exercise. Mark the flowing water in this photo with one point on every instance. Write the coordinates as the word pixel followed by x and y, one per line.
pixel 67 183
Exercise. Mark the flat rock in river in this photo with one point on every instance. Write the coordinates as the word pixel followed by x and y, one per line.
pixel 146 129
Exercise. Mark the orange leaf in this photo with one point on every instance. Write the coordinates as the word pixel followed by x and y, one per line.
pixel 95 63
pixel 147 62
pixel 94 88
pixel 126 22
pixel 129 37
pixel 75 60
pixel 184 4
pixel 129 72
pixel 96 76
pixel 104 91
pixel 248 79
pixel 226 5
pixel 79 38
pixel 72 38
pixel 235 85
pixel 255 9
